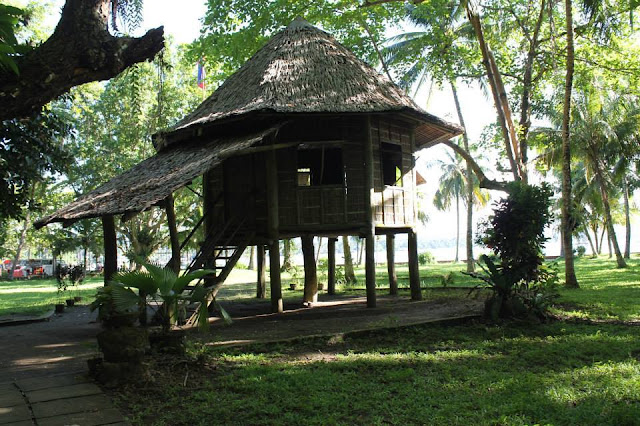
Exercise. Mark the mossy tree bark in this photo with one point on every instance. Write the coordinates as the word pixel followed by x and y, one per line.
pixel 80 50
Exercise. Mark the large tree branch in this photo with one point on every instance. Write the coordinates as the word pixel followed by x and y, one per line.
pixel 483 180
pixel 80 50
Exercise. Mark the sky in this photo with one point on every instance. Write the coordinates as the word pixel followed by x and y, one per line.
pixel 182 22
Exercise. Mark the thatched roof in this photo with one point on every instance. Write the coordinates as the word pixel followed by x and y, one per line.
pixel 302 69
pixel 152 180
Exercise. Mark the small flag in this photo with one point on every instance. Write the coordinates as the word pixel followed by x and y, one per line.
pixel 201 74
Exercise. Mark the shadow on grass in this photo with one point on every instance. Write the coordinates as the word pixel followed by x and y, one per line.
pixel 474 374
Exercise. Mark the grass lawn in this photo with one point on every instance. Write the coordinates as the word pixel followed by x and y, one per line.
pixel 564 372
pixel 35 297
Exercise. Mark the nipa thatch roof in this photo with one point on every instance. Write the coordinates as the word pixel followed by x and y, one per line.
pixel 302 69
pixel 152 180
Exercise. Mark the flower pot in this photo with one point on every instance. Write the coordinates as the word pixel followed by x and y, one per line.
pixel 70 302
pixel 59 308
pixel 77 298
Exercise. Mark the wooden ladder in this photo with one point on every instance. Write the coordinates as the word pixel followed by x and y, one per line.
pixel 220 251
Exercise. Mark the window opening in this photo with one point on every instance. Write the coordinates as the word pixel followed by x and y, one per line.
pixel 391 155
pixel 320 166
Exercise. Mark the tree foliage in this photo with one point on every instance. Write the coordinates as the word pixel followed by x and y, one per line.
pixel 30 150
pixel 233 30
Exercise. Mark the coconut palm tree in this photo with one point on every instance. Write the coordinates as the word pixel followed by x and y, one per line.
pixel 453 187
pixel 599 126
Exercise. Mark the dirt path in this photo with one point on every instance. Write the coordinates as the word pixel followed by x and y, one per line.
pixel 60 345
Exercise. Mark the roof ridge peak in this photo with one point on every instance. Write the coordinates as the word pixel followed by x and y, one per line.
pixel 299 22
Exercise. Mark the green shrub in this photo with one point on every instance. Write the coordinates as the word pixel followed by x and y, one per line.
pixel 580 251
pixel 515 234
pixel 426 258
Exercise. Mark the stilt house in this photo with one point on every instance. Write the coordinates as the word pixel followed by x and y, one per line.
pixel 303 140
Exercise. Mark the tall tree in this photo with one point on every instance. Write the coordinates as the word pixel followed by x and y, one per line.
pixel 570 279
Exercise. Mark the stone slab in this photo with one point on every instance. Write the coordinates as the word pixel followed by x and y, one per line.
pixel 11 397
pixel 96 418
pixel 38 383
pixel 63 392
pixel 14 414
pixel 21 423
pixel 81 404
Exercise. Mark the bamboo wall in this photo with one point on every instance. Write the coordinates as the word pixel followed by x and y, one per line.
pixel 321 208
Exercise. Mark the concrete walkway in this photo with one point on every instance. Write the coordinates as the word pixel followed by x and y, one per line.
pixel 43 373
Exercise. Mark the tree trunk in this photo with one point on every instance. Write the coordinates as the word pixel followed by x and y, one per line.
pixel 361 244
pixel 84 259
pixel 349 274
pixel 609 244
pixel 562 243
pixel 286 254
pixel 79 51
pixel 594 228
pixel 252 255
pixel 310 272
pixel 457 228
pixel 604 229
pixel 627 220
pixel 527 84
pixel 570 279
pixel 21 241
pixel 607 211
pixel 469 179
pixel 593 248
pixel 474 19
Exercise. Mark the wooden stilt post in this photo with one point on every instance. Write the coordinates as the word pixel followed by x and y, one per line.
pixel 273 230
pixel 261 288
pixel 414 272
pixel 310 271
pixel 110 248
pixel 331 265
pixel 370 260
pixel 275 284
pixel 391 266
pixel 173 233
